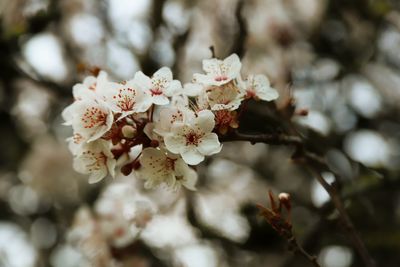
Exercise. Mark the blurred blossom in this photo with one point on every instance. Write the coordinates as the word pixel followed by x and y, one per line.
pixel 23 200
pixel 325 69
pixel 339 163
pixel 176 16
pixel 249 153
pixel 121 61
pixel 86 30
pixel 68 256
pixel 336 256
pixel 43 233
pixel 85 235
pixel 162 50
pixel 319 196
pixel 34 6
pixel 139 35
pixel 389 44
pixel 386 80
pixel 44 53
pixel 221 213
pixel 368 147
pixel 123 213
pixel 196 255
pixel 15 248
pixel 31 109
pixel 316 121
pixel 47 169
pixel 344 118
pixel 364 98
pixel 170 230
pixel 304 98
pixel 122 12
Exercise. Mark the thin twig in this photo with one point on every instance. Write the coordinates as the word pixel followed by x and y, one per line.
pixel 344 217
pixel 316 164
pixel 297 248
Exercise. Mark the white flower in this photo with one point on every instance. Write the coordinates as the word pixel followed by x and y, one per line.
pixel 91 118
pixel 227 96
pixel 123 212
pixel 75 143
pixel 126 98
pixel 95 159
pixel 169 115
pixel 91 85
pixel 192 89
pixel 88 90
pixel 160 86
pixel 160 167
pixel 193 140
pixel 258 87
pixel 219 72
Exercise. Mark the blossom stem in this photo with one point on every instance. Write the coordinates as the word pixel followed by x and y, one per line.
pixel 316 164
pixel 297 248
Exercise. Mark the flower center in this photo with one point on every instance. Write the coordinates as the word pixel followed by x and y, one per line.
pixel 125 99
pixel 170 164
pixel 156 91
pixel 192 138
pixel 93 116
pixel 250 93
pixel 221 78
pixel 95 160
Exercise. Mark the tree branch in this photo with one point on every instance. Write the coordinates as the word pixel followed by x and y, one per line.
pixel 315 164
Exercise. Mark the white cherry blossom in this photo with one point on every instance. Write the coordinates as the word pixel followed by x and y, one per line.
pixel 91 118
pixel 258 87
pixel 227 96
pixel 95 159
pixel 75 143
pixel 126 98
pixel 219 72
pixel 193 140
pixel 160 86
pixel 90 86
pixel 192 89
pixel 123 212
pixel 169 115
pixel 88 90
pixel 160 167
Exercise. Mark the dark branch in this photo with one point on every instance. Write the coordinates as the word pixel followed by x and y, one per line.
pixel 316 164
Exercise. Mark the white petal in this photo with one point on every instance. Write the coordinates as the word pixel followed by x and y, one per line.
pixel 190 179
pixel 268 94
pixel 191 156
pixel 151 156
pixel 205 79
pixel 187 174
pixel 163 73
pixel 174 87
pixel 174 143
pixel 111 166
pixel 209 144
pixel 143 81
pixel 211 65
pixel 97 176
pixel 192 89
pixel 205 120
pixel 233 65
pixel 160 100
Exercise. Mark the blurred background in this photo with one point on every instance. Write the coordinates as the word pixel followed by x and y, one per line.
pixel 340 59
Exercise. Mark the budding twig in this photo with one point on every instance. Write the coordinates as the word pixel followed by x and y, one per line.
pixel 282 224
pixel 316 165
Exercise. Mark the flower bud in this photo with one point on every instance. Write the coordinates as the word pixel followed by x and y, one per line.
pixel 128 131
pixel 284 199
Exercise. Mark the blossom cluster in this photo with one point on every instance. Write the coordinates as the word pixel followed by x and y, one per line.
pixel 155 126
